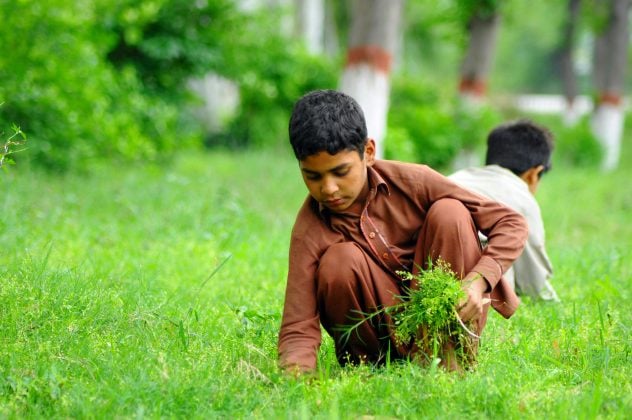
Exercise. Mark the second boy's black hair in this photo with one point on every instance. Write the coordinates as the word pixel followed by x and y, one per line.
pixel 327 121
pixel 519 146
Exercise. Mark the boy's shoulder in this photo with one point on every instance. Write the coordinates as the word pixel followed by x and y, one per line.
pixel 308 219
pixel 399 167
pixel 396 171
pixel 498 184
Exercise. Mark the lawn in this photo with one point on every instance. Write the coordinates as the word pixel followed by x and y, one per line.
pixel 156 291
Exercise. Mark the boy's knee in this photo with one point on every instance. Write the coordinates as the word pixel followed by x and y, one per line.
pixel 449 219
pixel 447 210
pixel 338 262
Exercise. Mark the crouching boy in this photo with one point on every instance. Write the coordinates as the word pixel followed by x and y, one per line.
pixel 518 154
pixel 366 219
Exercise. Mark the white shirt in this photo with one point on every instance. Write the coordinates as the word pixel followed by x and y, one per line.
pixel 530 273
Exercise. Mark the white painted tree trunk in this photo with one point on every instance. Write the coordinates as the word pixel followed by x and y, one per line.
pixel 373 39
pixel 220 99
pixel 609 67
pixel 483 29
pixel 310 23
pixel 475 68
pixel 607 125
pixel 371 88
pixel 567 65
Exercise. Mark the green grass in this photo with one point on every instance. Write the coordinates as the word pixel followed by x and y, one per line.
pixel 157 292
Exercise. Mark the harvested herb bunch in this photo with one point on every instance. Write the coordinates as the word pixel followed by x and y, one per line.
pixel 426 323
pixel 427 318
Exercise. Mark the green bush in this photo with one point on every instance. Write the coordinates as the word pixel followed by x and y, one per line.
pixel 429 126
pixel 272 72
pixel 101 79
pixel 577 145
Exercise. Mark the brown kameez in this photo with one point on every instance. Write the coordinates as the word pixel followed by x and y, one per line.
pixel 342 265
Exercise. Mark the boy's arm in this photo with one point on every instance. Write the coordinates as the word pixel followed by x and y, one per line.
pixel 532 273
pixel 506 231
pixel 506 239
pixel 533 268
pixel 300 335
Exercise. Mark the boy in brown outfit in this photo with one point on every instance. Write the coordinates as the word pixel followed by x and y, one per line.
pixel 366 219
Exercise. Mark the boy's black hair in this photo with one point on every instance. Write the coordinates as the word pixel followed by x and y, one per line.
pixel 327 120
pixel 519 146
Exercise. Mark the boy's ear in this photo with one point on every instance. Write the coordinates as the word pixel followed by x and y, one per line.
pixel 369 151
pixel 532 177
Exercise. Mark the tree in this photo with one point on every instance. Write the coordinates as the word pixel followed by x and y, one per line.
pixel 309 23
pixel 373 38
pixel 610 56
pixel 483 21
pixel 566 63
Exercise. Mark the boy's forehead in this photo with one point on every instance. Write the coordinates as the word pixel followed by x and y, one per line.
pixel 324 161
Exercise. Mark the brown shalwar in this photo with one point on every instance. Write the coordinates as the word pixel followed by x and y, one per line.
pixel 342 265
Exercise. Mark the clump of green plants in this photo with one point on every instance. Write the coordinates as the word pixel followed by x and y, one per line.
pixel 426 323
pixel 427 320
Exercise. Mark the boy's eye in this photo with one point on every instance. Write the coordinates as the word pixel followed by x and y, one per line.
pixel 341 173
pixel 312 177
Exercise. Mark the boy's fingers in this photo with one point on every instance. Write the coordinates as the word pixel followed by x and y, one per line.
pixel 467 312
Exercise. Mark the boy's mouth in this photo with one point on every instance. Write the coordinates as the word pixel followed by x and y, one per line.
pixel 335 202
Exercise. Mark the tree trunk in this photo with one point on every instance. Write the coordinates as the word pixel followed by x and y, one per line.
pixel 566 64
pixel 310 24
pixel 610 58
pixel 483 32
pixel 331 43
pixel 373 38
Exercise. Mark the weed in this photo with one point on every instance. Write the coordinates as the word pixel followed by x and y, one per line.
pixel 16 139
pixel 426 321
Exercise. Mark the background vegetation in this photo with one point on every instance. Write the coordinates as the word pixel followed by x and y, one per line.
pixel 156 291
pixel 96 79
pixel 143 275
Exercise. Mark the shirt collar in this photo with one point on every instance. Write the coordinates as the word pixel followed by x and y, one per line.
pixel 375 179
pixel 521 183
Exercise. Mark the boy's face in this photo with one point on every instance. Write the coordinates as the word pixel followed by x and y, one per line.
pixel 339 182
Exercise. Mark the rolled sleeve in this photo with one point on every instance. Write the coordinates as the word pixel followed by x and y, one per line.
pixel 489 269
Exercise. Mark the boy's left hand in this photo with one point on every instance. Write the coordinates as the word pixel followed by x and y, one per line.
pixel 471 307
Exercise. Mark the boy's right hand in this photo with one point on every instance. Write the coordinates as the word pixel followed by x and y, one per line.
pixel 471 308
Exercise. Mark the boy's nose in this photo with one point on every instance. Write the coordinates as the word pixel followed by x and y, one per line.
pixel 329 187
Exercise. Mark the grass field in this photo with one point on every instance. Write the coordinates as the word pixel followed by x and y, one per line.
pixel 156 291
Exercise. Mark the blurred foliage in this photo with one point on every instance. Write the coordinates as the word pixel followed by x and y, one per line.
pixel 101 79
pixel 433 40
pixel 483 8
pixel 272 72
pixel 525 59
pixel 60 87
pixel 94 79
pixel 594 14
pixel 168 41
pixel 577 145
pixel 430 126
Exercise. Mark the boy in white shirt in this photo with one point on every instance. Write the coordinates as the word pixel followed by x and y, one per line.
pixel 518 153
